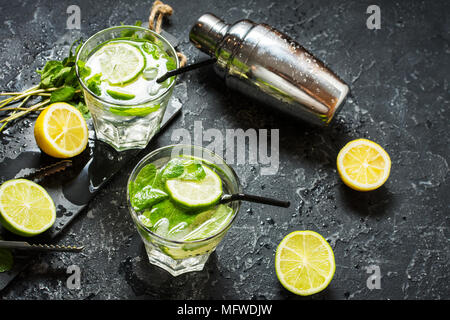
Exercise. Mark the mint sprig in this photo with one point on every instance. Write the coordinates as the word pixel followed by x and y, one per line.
pixel 58 83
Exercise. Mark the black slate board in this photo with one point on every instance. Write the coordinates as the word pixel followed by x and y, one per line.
pixel 70 189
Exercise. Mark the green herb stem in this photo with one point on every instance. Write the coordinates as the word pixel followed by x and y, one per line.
pixel 28 110
pixel 34 92
pixel 19 106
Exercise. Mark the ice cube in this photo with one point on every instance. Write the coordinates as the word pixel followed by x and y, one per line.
pixel 150 73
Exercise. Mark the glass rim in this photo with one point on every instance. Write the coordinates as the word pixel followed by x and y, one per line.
pixel 134 213
pixel 125 104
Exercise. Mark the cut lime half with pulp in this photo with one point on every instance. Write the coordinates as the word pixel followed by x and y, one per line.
pixel 304 262
pixel 26 208
pixel 196 194
pixel 120 62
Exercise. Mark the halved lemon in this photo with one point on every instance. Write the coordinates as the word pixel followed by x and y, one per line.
pixel 304 262
pixel 26 208
pixel 363 165
pixel 61 131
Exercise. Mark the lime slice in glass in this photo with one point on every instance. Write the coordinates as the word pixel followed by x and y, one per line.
pixel 216 220
pixel 196 194
pixel 26 208
pixel 120 95
pixel 134 111
pixel 120 62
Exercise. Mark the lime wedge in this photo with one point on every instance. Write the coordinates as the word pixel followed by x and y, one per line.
pixel 214 221
pixel 26 208
pixel 120 62
pixel 196 194
pixel 304 262
pixel 134 111
pixel 120 95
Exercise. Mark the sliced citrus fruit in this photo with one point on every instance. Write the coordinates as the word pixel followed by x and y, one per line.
pixel 363 165
pixel 304 262
pixel 120 95
pixel 196 193
pixel 61 131
pixel 210 223
pixel 26 208
pixel 120 62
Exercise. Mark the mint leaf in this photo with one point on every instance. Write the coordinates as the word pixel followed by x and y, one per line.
pixel 127 33
pixel 46 83
pixel 93 84
pixel 151 49
pixel 83 70
pixel 63 94
pixel 174 168
pixel 70 60
pixel 130 33
pixel 147 197
pixel 193 171
pixel 146 176
pixel 48 68
pixel 146 189
pixel 170 64
pixel 166 210
pixel 183 169
pixel 60 76
pixel 81 106
pixel 48 73
pixel 71 79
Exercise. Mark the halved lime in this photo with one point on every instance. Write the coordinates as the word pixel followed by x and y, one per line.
pixel 120 62
pixel 197 193
pixel 26 208
pixel 304 262
pixel 120 95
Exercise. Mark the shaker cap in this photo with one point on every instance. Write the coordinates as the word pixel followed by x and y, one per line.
pixel 207 32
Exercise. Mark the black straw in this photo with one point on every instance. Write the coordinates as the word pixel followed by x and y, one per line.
pixel 185 69
pixel 250 198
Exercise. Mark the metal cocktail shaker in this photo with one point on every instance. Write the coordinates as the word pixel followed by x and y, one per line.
pixel 266 64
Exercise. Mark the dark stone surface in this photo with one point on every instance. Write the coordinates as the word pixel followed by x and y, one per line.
pixel 400 98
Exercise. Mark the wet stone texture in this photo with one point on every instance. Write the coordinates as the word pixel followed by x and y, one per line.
pixel 400 98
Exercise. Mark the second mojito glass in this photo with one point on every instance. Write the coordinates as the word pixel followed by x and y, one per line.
pixel 119 120
pixel 181 256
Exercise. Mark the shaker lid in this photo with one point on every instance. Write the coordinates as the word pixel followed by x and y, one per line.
pixel 207 32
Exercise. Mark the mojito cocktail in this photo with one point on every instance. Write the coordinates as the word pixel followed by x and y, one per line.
pixel 118 68
pixel 174 197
